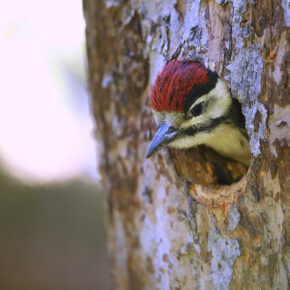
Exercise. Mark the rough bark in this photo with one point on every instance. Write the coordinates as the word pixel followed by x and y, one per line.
pixel 169 224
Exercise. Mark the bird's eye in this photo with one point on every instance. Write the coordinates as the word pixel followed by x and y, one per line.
pixel 197 110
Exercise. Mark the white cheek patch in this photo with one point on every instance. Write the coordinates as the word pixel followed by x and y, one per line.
pixel 222 98
pixel 218 101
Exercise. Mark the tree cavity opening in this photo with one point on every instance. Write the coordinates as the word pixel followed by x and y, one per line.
pixel 203 166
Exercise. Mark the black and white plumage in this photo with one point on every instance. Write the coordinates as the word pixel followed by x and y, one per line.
pixel 193 106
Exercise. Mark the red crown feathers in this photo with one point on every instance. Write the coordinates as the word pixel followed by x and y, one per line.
pixel 174 83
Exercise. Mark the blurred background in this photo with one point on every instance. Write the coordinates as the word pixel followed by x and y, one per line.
pixel 51 211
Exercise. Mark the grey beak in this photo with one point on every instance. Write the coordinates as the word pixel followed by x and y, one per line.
pixel 164 135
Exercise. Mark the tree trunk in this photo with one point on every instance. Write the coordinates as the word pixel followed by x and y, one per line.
pixel 171 224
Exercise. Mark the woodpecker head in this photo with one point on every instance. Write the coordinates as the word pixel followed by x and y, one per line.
pixel 189 102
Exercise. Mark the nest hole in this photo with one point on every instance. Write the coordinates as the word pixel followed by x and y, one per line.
pixel 213 180
pixel 202 165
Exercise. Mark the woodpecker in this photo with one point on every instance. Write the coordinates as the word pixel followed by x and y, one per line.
pixel 192 106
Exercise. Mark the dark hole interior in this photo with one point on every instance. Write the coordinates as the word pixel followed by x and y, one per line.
pixel 204 166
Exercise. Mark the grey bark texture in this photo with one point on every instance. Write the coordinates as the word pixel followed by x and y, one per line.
pixel 170 225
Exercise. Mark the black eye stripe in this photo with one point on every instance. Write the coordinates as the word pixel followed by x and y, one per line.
pixel 207 127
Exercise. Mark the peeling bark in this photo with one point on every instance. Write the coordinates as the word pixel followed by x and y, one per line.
pixel 170 223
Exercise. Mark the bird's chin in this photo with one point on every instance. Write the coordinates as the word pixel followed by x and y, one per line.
pixel 184 142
